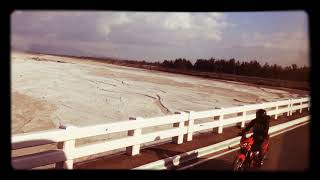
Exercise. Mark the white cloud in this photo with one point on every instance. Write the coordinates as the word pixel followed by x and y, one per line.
pixel 178 21
pixel 282 48
pixel 280 40
pixel 216 15
pixel 105 21
pixel 155 35
pixel 122 18
pixel 178 27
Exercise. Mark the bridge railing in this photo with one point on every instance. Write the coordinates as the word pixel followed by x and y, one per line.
pixel 183 124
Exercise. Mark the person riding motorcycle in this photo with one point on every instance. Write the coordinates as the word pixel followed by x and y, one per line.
pixel 260 135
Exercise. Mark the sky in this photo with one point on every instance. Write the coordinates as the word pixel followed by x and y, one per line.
pixel 275 37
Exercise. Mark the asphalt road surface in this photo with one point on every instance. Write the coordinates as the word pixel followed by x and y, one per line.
pixel 288 151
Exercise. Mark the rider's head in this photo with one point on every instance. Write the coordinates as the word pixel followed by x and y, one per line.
pixel 261 113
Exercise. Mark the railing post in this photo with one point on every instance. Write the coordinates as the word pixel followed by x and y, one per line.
pixel 220 122
pixel 68 148
pixel 135 149
pixel 190 124
pixel 289 107
pixel 300 107
pixel 178 139
pixel 244 114
pixel 277 112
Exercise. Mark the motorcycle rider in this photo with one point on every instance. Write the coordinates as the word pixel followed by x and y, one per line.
pixel 260 127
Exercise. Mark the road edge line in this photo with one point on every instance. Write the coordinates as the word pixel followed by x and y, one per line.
pixel 226 152
pixel 161 164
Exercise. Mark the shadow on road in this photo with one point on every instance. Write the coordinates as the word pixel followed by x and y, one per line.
pixel 220 165
pixel 28 157
pixel 169 157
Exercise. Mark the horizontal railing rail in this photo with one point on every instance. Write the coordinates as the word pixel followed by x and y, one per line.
pixel 183 124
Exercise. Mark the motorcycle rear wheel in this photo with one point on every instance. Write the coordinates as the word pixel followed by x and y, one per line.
pixel 239 165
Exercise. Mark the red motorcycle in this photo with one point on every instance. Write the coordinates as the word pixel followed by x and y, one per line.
pixel 247 158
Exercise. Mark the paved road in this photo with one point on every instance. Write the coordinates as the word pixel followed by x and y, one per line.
pixel 162 151
pixel 288 152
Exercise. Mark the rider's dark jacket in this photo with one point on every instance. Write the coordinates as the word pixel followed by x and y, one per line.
pixel 260 127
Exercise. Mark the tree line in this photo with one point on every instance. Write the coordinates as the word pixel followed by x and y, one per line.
pixel 231 66
pixel 251 68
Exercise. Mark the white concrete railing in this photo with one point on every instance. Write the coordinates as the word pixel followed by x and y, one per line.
pixel 230 143
pixel 183 123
